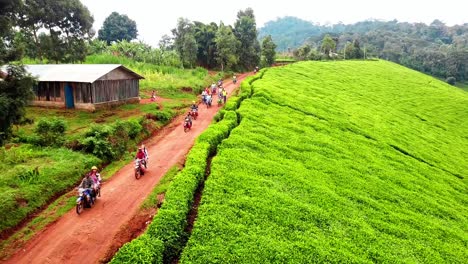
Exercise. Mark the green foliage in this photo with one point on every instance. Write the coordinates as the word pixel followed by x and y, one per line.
pixel 451 80
pixel 268 51
pixel 50 132
pixel 152 200
pixel 169 224
pixel 166 80
pixel 185 42
pixel 59 29
pixel 245 30
pixel 31 176
pixel 290 32
pixel 15 93
pixel 435 49
pixel 110 142
pixel 205 37
pixel 339 162
pixel 164 115
pixel 328 45
pixel 143 249
pixel 226 46
pixel 118 27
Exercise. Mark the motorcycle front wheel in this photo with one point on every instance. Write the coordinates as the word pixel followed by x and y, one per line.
pixel 137 174
pixel 79 207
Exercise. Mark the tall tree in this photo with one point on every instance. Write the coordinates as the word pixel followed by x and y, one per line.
pixel 328 45
pixel 118 27
pixel 67 23
pixel 245 29
pixel 268 51
pixel 15 86
pixel 8 11
pixel 205 37
pixel 184 42
pixel 226 47
pixel 166 43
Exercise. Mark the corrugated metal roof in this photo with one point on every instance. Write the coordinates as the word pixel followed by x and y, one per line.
pixel 86 73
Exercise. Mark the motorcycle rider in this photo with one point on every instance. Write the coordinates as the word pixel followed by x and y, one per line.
pixel 140 157
pixel 94 174
pixel 224 93
pixel 87 184
pixel 145 151
pixel 188 119
pixel 194 108
pixel 213 88
pixel 234 79
pixel 204 94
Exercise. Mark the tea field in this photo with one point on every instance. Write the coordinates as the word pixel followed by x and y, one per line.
pixel 339 162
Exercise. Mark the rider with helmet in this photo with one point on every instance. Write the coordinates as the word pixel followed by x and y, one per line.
pixel 188 119
pixel 87 184
pixel 140 156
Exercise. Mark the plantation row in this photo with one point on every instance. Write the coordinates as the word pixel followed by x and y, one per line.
pixel 166 235
pixel 343 162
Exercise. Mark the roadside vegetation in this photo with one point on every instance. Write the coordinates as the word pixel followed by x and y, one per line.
pixel 356 162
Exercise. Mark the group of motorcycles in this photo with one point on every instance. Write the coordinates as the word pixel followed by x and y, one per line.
pixel 86 197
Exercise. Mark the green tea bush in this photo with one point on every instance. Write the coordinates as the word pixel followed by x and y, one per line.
pixel 169 224
pixel 142 250
pixel 339 162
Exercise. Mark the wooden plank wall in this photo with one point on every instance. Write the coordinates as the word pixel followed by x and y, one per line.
pixel 49 91
pixel 114 90
pixel 82 92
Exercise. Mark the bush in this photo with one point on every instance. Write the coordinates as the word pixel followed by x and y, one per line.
pixel 164 116
pixel 143 249
pixel 50 132
pixel 451 80
pixel 96 142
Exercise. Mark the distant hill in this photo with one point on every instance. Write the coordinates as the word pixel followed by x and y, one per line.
pixel 435 49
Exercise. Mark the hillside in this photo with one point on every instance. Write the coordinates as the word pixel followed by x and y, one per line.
pixel 289 32
pixel 339 162
pixel 436 49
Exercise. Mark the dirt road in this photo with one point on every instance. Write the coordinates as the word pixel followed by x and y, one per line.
pixel 85 238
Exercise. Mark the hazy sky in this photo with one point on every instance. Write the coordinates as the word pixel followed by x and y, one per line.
pixel 156 18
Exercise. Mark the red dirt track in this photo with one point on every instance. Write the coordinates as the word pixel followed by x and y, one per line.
pixel 86 238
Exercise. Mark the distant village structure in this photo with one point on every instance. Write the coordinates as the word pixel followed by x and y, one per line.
pixel 83 86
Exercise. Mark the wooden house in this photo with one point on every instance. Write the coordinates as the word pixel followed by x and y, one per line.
pixel 84 86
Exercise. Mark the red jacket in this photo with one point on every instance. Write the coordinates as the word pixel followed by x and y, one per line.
pixel 140 155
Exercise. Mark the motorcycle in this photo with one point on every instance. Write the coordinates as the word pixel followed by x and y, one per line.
pixel 234 81
pixel 139 171
pixel 84 200
pixel 187 126
pixel 208 101
pixel 194 114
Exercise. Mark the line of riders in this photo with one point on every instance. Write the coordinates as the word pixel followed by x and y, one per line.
pixel 207 99
pixel 90 187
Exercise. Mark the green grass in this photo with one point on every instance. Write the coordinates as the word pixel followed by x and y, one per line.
pixel 22 192
pixel 161 187
pixel 339 162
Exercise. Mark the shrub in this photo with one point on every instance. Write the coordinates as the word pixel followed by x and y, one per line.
pixel 50 132
pixel 164 115
pixel 451 80
pixel 96 142
pixel 143 249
